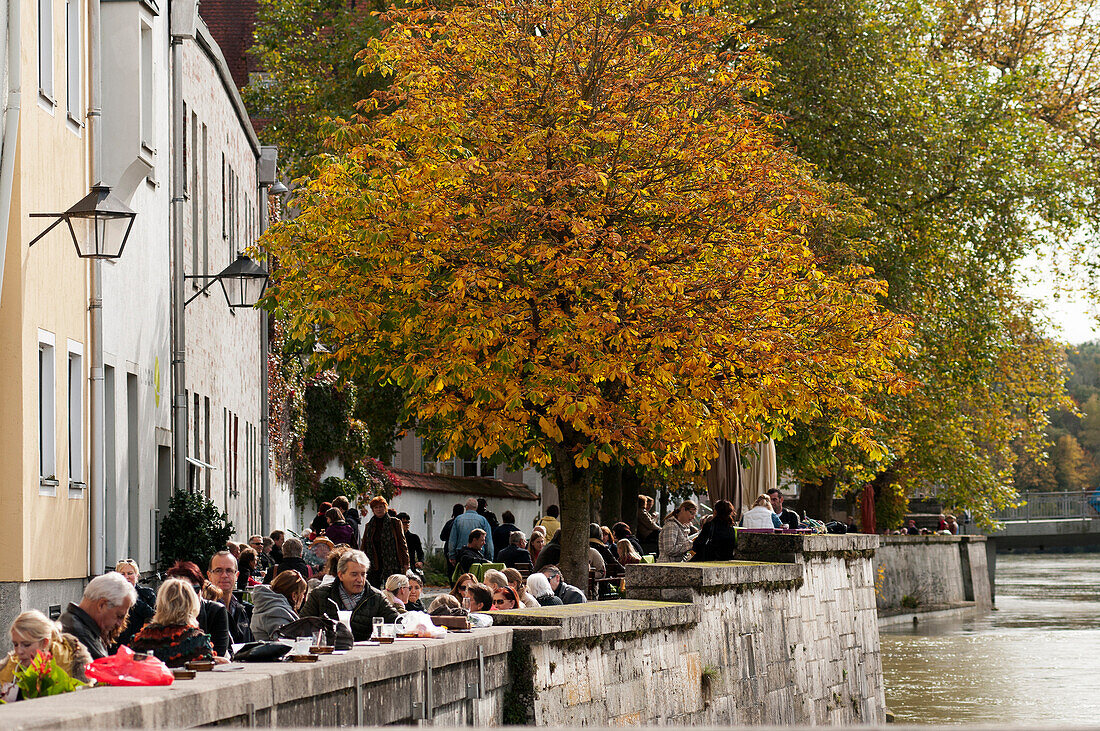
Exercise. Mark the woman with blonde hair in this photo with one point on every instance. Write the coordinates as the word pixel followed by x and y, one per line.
pixel 515 580
pixel 397 591
pixel 33 633
pixel 173 635
pixel 141 611
pixel 495 579
pixel 627 553
pixel 761 515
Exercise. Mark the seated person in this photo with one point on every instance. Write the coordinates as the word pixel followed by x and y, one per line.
pixel 99 616
pixel 515 552
pixel 495 579
pixel 350 592
pixel 479 598
pixel 292 559
pixel 213 616
pixel 622 532
pixel 462 584
pixel 519 586
pixel 173 635
pixel 397 591
pixel 609 560
pixel 446 605
pixel 628 554
pixel 276 606
pixel 761 515
pixel 505 598
pixel 471 553
pixel 142 610
pixel 221 582
pixel 539 587
pixel 338 530
pixel 717 540
pixel 416 586
pixel 568 593
pixel 33 633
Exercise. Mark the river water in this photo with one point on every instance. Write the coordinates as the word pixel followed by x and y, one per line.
pixel 1034 660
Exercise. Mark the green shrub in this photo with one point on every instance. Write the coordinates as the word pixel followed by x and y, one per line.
pixel 193 529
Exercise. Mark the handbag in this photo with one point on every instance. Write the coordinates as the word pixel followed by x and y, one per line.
pixel 261 652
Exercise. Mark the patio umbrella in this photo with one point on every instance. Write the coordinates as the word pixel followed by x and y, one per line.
pixel 867 509
pixel 724 479
pixel 761 474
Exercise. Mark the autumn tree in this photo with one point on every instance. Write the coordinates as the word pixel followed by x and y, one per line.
pixel 572 240
pixel 940 115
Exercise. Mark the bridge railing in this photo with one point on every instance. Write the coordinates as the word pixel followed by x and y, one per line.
pixel 1081 505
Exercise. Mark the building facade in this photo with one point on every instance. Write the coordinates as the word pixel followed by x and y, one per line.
pixel 169 106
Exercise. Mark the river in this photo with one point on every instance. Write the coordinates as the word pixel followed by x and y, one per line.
pixel 1034 660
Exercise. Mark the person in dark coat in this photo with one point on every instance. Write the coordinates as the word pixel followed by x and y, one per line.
pixel 338 530
pixel 416 547
pixel 621 531
pixel 292 559
pixel 568 593
pixel 350 592
pixel 717 541
pixel 213 617
pixel 384 544
pixel 515 551
pixel 320 521
pixel 99 615
pixel 484 512
pixel 351 515
pixel 142 610
pixel 503 532
pixel 222 577
pixel 445 534
pixel 610 560
pixel 471 554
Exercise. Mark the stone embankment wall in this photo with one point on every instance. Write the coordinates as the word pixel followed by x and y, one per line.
pixel 928 573
pixel 746 643
pixel 742 642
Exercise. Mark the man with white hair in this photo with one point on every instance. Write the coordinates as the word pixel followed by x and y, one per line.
pixel 102 610
pixel 350 593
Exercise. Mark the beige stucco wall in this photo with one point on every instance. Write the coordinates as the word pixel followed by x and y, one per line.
pixel 44 288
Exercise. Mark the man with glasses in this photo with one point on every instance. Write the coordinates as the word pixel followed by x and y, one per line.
pixel 263 557
pixel 222 573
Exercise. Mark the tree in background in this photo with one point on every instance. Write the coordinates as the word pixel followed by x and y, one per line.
pixel 571 241
pixel 940 116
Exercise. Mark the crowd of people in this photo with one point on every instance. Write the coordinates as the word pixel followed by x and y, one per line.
pixel 359 570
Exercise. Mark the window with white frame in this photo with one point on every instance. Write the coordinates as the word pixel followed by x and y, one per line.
pixel 147 128
pixel 47 414
pixel 45 49
pixel 75 379
pixel 72 59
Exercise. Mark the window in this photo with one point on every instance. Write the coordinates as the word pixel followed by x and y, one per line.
pixel 72 59
pixel 147 138
pixel 203 203
pixel 196 209
pixel 206 440
pixel 76 420
pixel 45 49
pixel 47 435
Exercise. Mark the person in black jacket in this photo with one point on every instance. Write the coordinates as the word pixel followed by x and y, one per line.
pixel 471 553
pixel 503 532
pixel 222 574
pixel 717 541
pixel 102 610
pixel 292 559
pixel 445 534
pixel 213 617
pixel 484 512
pixel 416 546
pixel 787 516
pixel 142 610
pixel 515 551
pixel 621 531
pixel 350 592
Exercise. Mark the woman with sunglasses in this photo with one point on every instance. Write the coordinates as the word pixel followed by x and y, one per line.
pixel 505 598
pixel 465 581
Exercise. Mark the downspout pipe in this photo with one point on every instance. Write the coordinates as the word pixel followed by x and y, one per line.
pixel 265 406
pixel 179 333
pixel 11 128
pixel 97 477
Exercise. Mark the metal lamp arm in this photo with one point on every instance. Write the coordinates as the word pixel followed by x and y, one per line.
pixel 211 277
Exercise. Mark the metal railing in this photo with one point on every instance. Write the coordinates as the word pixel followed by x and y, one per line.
pixel 1079 505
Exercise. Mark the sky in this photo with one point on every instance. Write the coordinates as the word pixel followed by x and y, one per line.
pixel 1072 318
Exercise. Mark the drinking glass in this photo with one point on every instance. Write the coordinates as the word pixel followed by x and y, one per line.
pixel 378 622
pixel 389 634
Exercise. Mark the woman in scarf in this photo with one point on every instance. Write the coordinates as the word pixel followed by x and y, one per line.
pixel 384 544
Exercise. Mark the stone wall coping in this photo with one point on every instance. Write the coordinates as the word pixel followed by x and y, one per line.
pixel 594 619
pixel 227 691
pixel 708 574
pixel 914 540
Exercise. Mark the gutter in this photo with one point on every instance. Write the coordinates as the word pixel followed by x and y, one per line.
pixel 11 128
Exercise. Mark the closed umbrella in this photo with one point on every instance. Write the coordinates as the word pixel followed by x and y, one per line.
pixel 724 476
pixel 761 474
pixel 867 509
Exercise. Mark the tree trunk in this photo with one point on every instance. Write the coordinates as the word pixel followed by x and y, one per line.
pixel 816 500
pixel 574 497
pixel 631 486
pixel 611 499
